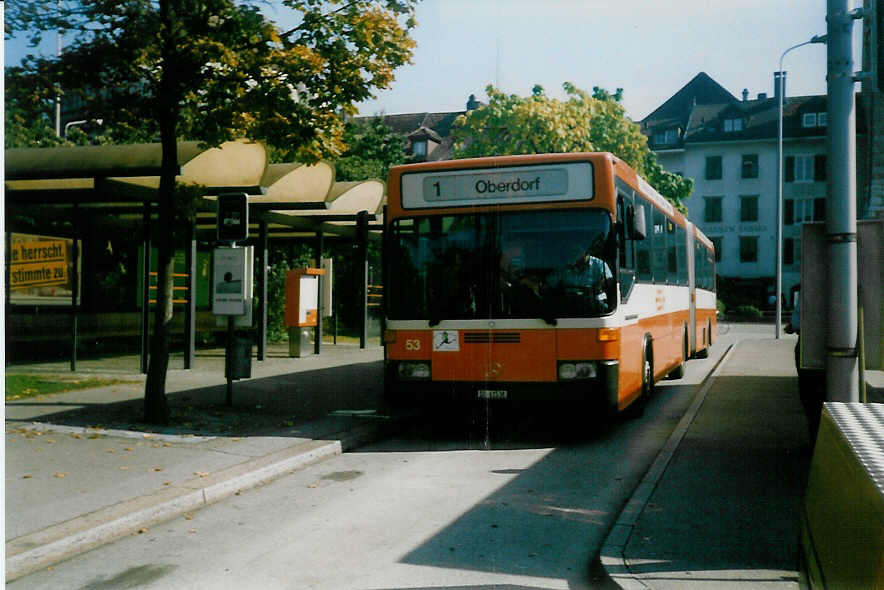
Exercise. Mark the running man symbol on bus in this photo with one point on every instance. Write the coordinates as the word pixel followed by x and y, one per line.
pixel 445 340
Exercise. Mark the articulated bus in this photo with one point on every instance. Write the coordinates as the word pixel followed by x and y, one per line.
pixel 554 277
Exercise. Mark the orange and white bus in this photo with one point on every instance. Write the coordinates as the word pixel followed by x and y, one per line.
pixel 544 277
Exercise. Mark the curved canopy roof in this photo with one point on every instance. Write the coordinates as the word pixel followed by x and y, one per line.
pixel 300 196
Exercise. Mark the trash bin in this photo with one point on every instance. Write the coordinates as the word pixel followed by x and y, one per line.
pixel 300 342
pixel 239 362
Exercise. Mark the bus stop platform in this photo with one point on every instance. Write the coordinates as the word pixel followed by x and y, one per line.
pixel 722 505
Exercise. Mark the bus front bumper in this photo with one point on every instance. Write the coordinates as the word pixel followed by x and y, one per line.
pixel 599 390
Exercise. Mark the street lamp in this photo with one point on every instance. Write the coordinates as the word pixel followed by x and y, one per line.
pixel 781 90
pixel 70 124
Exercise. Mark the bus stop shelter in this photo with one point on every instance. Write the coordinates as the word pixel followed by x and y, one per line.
pixel 288 200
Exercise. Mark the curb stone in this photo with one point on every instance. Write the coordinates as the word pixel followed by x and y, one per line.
pixel 612 555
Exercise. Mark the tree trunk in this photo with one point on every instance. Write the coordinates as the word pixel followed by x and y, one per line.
pixel 156 408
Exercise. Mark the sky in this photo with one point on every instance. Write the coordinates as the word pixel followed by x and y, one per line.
pixel 650 48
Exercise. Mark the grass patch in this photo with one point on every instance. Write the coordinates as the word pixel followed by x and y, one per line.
pixel 25 386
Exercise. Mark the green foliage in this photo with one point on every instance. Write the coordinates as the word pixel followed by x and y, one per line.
pixel 747 313
pixel 372 149
pixel 233 73
pixel 213 71
pixel 25 386
pixel 511 124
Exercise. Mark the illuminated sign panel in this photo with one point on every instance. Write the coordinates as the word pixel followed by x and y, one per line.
pixel 516 184
pixel 41 270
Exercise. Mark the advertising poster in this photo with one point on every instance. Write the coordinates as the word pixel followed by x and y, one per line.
pixel 41 270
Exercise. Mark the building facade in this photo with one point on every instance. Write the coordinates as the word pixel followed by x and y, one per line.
pixel 728 146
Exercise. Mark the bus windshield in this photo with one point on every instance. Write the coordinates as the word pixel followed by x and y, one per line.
pixel 518 264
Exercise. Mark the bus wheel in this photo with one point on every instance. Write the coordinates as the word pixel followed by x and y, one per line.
pixel 678 372
pixel 704 352
pixel 637 408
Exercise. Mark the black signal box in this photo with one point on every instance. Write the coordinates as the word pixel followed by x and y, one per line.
pixel 233 217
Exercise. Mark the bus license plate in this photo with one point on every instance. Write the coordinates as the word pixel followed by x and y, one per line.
pixel 492 394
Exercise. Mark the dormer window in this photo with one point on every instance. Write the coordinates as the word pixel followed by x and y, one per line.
pixel 419 147
pixel 668 137
pixel 731 125
pixel 814 120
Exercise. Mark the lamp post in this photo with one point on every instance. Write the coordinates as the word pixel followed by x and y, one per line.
pixel 781 90
pixel 70 124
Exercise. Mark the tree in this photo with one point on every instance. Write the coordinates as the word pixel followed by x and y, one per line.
pixel 216 70
pixel 372 149
pixel 511 124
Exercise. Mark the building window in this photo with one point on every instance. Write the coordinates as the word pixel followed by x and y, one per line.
pixel 750 166
pixel 809 120
pixel 819 209
pixel 804 210
pixel 717 244
pixel 712 210
pixel 733 125
pixel 748 248
pixel 749 208
pixel 668 137
pixel 713 168
pixel 419 147
pixel 789 251
pixel 805 168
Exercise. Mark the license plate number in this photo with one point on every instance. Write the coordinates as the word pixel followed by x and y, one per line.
pixel 492 394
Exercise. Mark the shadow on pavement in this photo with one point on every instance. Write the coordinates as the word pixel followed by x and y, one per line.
pixel 260 405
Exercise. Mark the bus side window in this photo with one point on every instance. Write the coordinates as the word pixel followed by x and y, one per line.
pixel 626 247
pixel 658 247
pixel 626 244
pixel 681 249
pixel 643 247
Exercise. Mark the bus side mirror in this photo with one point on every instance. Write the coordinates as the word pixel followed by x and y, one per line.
pixel 638 231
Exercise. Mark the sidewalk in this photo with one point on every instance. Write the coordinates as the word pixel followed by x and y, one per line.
pixel 720 508
pixel 71 486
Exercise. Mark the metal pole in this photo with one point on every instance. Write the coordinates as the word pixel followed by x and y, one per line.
pixel 228 361
pixel 190 306
pixel 58 89
pixel 262 301
pixel 145 288
pixel 781 92
pixel 362 273
pixel 317 335
pixel 75 288
pixel 779 287
pixel 841 358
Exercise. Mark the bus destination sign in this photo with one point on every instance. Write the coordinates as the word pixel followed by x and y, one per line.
pixel 518 184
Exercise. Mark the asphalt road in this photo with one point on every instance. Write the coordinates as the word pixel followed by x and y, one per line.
pixel 517 502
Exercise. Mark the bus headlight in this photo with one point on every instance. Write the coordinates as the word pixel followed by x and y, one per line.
pixel 408 370
pixel 574 370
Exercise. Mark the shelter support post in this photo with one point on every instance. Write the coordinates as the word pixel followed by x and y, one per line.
pixel 317 336
pixel 262 294
pixel 75 286
pixel 362 273
pixel 190 307
pixel 145 289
